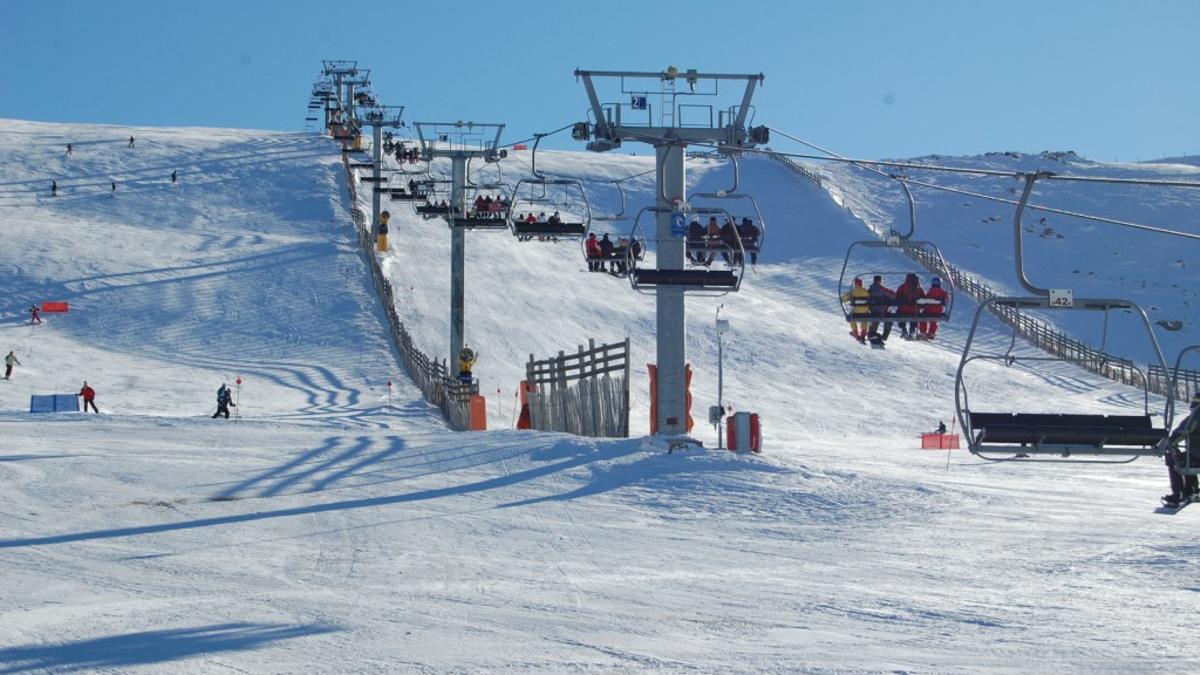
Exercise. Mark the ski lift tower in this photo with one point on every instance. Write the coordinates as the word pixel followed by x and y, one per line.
pixel 345 76
pixel 458 142
pixel 667 110
pixel 379 118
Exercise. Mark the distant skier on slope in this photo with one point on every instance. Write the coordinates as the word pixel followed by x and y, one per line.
pixel 89 397
pixel 53 188
pixel 1187 433
pixel 131 141
pixel 34 315
pixel 224 401
pixel 68 149
pixel 9 362
pixel 174 174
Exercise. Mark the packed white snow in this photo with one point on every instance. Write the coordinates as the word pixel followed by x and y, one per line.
pixel 335 528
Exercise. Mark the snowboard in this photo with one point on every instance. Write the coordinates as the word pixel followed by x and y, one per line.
pixel 1172 510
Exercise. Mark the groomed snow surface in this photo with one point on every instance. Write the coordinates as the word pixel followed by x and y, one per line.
pixel 334 529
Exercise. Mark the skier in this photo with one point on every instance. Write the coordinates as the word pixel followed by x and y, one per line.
pixel 224 400
pixel 53 188
pixel 880 298
pixel 34 315
pixel 89 397
pixel 907 296
pixel 174 175
pixel 936 292
pixel 594 259
pixel 606 251
pixel 858 297
pixel 131 141
pixel 9 362
pixel 68 149
pixel 1184 487
pixel 941 427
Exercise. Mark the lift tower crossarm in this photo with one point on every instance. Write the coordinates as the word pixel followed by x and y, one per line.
pixel 609 133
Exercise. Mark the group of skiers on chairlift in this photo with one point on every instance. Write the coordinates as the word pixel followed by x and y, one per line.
pixel 600 251
pixel 703 243
pixel 487 207
pixel 877 302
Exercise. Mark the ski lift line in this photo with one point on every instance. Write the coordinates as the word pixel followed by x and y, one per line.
pixel 1044 176
pixel 538 136
pixel 1050 209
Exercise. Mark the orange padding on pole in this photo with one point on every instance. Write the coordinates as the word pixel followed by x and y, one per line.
pixel 54 306
pixel 478 413
pixel 939 441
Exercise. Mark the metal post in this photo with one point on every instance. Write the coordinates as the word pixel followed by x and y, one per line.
pixel 720 378
pixel 458 257
pixel 672 344
pixel 376 173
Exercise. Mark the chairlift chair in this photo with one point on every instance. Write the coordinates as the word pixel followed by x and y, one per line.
pixel 1004 436
pixel 751 244
pixel 567 227
pixel 1190 465
pixel 927 310
pixel 698 274
pixel 495 219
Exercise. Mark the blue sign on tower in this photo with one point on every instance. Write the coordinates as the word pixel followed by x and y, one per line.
pixel 678 225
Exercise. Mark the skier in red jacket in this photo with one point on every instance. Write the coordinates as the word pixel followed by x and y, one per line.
pixel 89 397
pixel 936 292
pixel 594 255
pixel 34 315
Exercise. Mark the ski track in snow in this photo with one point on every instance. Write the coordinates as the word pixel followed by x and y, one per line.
pixel 325 531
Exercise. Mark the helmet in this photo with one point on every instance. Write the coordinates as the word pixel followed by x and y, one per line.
pixel 936 282
pixel 858 281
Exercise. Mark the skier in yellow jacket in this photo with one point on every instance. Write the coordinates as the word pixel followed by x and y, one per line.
pixel 858 296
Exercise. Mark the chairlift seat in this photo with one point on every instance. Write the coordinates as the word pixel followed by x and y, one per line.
pixel 1065 431
pixel 470 223
pixel 431 210
pixel 400 194
pixel 551 229
pixel 694 278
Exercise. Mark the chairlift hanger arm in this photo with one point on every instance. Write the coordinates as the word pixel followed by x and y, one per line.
pixel 1049 209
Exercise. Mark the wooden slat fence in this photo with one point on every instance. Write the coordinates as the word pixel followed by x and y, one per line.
pixel 585 393
pixel 1048 339
pixel 432 377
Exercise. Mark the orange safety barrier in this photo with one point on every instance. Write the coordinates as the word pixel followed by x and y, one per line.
pixel 51 307
pixel 937 441
pixel 654 398
pixel 731 432
pixel 478 413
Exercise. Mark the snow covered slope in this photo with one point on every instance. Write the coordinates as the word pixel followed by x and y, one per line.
pixel 327 532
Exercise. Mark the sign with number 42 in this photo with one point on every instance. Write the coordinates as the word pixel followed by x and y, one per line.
pixel 1062 297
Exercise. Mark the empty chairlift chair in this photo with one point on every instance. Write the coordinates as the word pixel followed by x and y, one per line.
pixel 1002 436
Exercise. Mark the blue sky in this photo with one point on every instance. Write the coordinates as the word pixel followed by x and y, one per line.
pixel 1110 80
